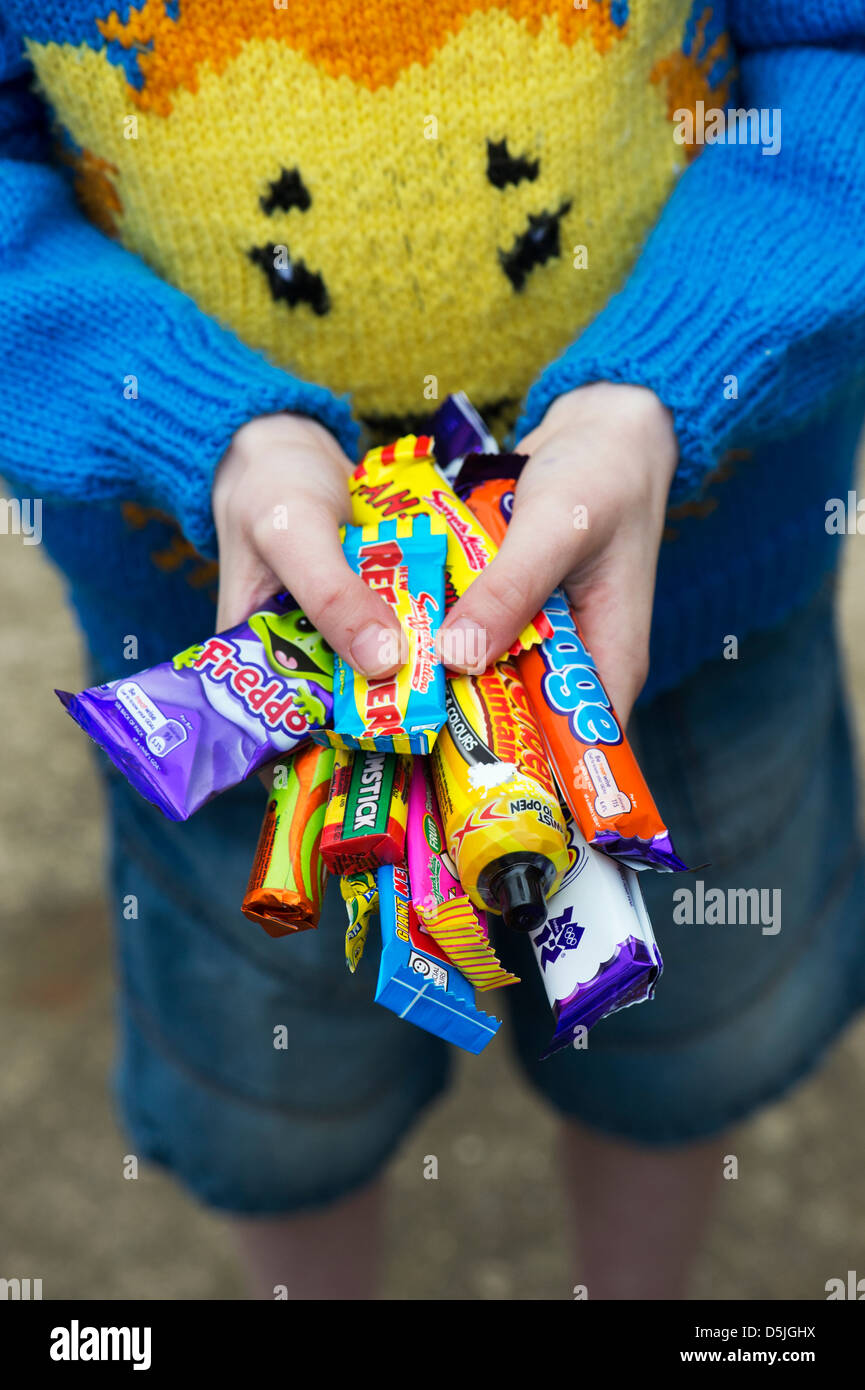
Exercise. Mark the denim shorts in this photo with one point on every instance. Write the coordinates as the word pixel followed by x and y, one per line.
pixel 752 764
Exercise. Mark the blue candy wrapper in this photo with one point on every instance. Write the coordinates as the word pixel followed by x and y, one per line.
pixel 404 562
pixel 416 980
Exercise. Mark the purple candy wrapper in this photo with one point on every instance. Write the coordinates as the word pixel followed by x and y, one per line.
pixel 484 468
pixel 198 724
pixel 596 952
pixel 459 430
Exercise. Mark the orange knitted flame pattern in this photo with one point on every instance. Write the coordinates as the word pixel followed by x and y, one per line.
pixel 686 75
pixel 369 41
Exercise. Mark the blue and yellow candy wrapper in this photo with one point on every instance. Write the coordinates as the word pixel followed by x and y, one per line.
pixel 360 895
pixel 416 980
pixel 404 561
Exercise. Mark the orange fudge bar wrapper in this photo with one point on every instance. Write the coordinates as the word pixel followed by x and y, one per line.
pixel 595 768
pixel 439 901
pixel 401 479
pixel 502 819
pixel 286 885
pixel 365 822
pixel 403 561
pixel 360 895
pixel 416 980
pixel 492 502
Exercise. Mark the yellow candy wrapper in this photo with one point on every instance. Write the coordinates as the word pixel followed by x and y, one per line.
pixel 402 479
pixel 437 894
pixel 360 894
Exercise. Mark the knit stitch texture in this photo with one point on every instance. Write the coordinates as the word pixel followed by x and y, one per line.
pixel 210 212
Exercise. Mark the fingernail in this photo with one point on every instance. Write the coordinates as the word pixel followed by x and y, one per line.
pixel 376 649
pixel 463 646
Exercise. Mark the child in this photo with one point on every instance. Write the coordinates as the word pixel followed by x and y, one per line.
pixel 294 218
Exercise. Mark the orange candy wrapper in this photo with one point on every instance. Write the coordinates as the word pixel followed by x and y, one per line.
pixel 286 885
pixel 596 771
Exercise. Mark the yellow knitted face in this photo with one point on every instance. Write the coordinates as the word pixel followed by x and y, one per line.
pixel 455 200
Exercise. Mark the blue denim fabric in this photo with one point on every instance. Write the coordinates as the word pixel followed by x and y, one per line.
pixel 752 765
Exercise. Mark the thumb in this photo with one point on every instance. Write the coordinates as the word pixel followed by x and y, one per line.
pixel 615 618
pixel 506 595
pixel 356 622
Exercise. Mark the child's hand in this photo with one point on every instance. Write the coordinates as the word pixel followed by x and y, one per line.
pixel 588 514
pixel 279 497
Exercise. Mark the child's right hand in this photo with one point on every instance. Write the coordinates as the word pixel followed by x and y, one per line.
pixel 279 496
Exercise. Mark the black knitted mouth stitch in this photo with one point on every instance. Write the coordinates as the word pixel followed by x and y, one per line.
pixel 291 280
pixel 540 242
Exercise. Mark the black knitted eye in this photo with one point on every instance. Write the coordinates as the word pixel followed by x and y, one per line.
pixel 287 192
pixel 504 168
pixel 291 280
pixel 535 246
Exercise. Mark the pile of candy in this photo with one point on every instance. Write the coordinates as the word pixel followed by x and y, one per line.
pixel 451 803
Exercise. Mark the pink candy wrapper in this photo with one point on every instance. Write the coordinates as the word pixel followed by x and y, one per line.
pixel 437 895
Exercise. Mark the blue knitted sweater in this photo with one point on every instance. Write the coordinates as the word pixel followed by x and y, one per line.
pixel 512 197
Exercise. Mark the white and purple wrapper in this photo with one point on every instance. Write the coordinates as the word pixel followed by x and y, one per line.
pixel 596 952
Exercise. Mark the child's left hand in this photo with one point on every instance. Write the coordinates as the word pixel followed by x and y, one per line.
pixel 588 514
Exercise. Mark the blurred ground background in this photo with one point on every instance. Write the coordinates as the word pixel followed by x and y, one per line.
pixel 489 1228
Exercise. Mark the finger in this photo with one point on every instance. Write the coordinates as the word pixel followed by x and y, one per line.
pixel 245 582
pixel 614 611
pixel 534 555
pixel 354 620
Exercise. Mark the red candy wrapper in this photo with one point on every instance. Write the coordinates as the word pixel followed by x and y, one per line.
pixel 364 826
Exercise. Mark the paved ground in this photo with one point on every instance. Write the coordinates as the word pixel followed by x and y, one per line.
pixel 490 1226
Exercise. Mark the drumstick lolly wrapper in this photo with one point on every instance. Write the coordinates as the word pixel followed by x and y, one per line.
pixel 596 952
pixel 196 725
pixel 286 884
pixel 441 905
pixel 403 561
pixel 364 825
pixel 416 980
pixel 595 768
pixel 360 895
pixel 401 479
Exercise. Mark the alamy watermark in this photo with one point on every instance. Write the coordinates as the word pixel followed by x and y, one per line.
pixel 718 126
pixel 845 516
pixel 717 907
pixel 20 1289
pixel 22 516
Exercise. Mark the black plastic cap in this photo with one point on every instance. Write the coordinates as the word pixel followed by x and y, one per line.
pixel 518 892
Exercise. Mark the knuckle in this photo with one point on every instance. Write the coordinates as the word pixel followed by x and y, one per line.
pixel 328 609
pixel 638 667
pixel 507 590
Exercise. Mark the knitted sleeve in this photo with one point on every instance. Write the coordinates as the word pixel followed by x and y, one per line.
pixel 746 308
pixel 112 383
